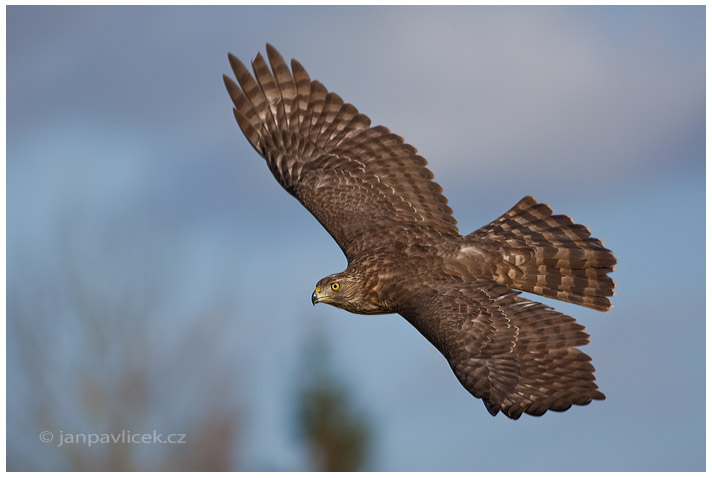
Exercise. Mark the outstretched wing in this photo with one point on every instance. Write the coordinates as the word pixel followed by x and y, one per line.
pixel 363 184
pixel 517 355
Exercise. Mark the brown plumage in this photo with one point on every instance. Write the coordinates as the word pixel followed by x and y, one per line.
pixel 375 196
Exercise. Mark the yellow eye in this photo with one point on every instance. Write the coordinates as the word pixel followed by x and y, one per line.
pixel 335 286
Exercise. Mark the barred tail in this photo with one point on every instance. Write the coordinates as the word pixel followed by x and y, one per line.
pixel 548 255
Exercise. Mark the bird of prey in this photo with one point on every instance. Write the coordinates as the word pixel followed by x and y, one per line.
pixel 374 195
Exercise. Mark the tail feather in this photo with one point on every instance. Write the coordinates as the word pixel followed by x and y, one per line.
pixel 548 255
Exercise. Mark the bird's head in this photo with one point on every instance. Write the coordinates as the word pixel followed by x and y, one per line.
pixel 337 289
pixel 346 290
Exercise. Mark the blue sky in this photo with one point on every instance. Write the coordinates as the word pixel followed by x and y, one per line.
pixel 121 142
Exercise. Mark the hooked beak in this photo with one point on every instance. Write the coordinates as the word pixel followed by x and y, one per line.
pixel 315 298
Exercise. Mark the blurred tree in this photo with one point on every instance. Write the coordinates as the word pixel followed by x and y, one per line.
pixel 100 340
pixel 336 434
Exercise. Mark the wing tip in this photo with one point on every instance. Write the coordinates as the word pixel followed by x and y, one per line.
pixel 492 407
pixel 271 50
